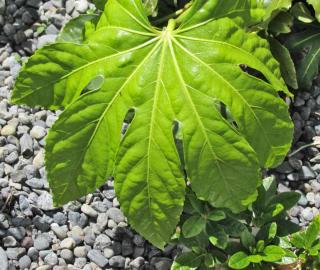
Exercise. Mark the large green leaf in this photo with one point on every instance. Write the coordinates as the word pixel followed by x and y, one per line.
pixel 164 77
pixel 306 42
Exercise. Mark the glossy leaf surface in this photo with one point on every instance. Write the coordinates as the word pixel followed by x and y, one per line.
pixel 176 75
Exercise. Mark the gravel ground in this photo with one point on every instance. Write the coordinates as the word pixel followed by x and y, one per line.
pixel 92 233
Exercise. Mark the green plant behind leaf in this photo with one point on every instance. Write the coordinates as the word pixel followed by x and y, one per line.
pixel 306 43
pixel 163 77
pixel 316 6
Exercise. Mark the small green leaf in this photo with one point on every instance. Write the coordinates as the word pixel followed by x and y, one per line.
pixel 247 239
pixel 216 215
pixel 273 253
pixel 239 260
pixel 312 232
pixel 209 260
pixel 302 13
pixel 260 245
pixel 187 261
pixel 193 226
pixel 287 67
pixel 286 199
pixel 316 7
pixel 298 239
pixel 218 236
pixel 307 66
pixel 255 258
pixel 281 24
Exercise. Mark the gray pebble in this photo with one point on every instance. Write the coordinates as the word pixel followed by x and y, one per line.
pixel 137 263
pixel 67 255
pixel 116 215
pixel 24 262
pixel 41 243
pixel 89 211
pixel 67 243
pixel 9 241
pixel 97 257
pixel 51 259
pixel 15 253
pixel 306 173
pixel 117 261
pixel 3 259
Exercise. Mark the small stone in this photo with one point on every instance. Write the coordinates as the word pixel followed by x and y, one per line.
pixel 45 39
pixel 27 242
pixel 108 253
pixel 97 257
pixel 67 255
pixel 35 183
pixel 38 161
pixel 295 163
pixel 12 158
pixel 80 251
pixel 102 242
pixel 15 253
pixel 163 264
pixel 284 168
pixel 51 259
pixel 127 247
pixel 303 200
pixel 137 263
pixel 81 6
pixel 102 221
pixel 311 198
pixel 117 261
pixel 89 211
pixel 138 251
pixel 17 232
pixel 24 262
pixel 60 232
pixel 306 173
pixel 9 241
pixel 26 145
pixel 293 177
pixel 116 215
pixel 307 214
pixel 8 130
pixel 18 176
pixel 33 253
pixel 38 132
pixel 80 262
pixel 3 259
pixel 60 218
pixel 41 242
pixel 67 243
pixel 45 201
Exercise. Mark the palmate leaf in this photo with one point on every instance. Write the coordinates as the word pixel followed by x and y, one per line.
pixel 177 75
pixel 306 42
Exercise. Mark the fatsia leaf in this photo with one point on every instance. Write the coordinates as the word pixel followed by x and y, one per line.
pixel 162 78
pixel 205 10
pixel 316 6
pixel 307 67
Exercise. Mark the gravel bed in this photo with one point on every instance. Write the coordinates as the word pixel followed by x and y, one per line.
pixel 92 233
